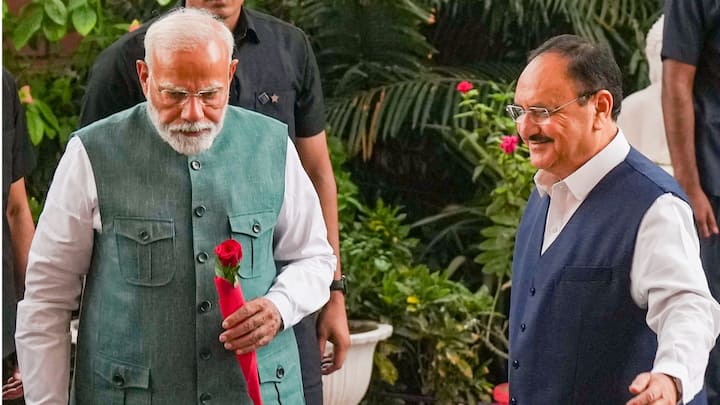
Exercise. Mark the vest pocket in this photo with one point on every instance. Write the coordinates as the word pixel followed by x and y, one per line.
pixel 280 381
pixel 119 383
pixel 254 232
pixel 146 250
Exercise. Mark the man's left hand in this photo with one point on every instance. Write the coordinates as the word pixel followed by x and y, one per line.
pixel 13 388
pixel 252 326
pixel 332 325
pixel 653 388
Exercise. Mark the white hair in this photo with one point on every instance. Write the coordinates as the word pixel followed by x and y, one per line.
pixel 186 29
pixel 653 47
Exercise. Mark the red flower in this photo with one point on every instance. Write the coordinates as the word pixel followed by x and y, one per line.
pixel 229 254
pixel 464 86
pixel 501 394
pixel 509 143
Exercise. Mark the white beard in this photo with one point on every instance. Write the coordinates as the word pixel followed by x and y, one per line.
pixel 173 134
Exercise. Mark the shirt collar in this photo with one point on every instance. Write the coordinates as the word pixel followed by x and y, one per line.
pixel 584 179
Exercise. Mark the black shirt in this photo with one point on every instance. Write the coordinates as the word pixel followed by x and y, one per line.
pixel 277 75
pixel 692 35
pixel 18 161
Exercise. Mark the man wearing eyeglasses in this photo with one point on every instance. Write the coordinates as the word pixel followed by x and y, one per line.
pixel 137 205
pixel 277 76
pixel 609 302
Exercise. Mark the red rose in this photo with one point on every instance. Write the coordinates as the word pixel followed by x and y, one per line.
pixel 464 86
pixel 229 253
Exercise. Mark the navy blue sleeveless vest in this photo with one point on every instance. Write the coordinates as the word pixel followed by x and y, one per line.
pixel 576 335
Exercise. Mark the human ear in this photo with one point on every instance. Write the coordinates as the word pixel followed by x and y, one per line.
pixel 603 106
pixel 143 72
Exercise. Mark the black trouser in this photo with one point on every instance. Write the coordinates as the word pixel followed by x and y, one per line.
pixel 306 335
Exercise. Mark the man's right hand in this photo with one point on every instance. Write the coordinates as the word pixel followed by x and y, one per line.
pixel 704 214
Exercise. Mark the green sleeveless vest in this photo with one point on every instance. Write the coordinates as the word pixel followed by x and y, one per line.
pixel 150 321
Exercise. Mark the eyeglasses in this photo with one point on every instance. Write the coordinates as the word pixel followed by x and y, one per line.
pixel 541 115
pixel 210 98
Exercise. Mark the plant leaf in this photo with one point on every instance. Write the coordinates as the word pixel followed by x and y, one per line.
pixel 84 19
pixel 55 9
pixel 30 22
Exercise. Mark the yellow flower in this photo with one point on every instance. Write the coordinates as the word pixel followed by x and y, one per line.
pixel 135 24
pixel 412 300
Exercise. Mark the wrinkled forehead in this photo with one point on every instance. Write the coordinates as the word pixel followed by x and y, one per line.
pixel 544 81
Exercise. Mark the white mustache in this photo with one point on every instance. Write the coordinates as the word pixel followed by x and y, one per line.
pixel 191 127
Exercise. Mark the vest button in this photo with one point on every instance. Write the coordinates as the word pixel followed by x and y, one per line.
pixel 516 364
pixel 280 372
pixel 522 327
pixel 195 165
pixel 205 398
pixel 200 211
pixel 204 306
pixel 256 227
pixel 513 401
pixel 144 235
pixel 202 257
pixel 205 354
pixel 532 290
pixel 118 380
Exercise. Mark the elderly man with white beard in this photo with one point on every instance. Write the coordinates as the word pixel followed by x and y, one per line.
pixel 138 202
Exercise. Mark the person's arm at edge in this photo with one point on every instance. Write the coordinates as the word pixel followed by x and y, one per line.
pixel 22 229
pixel 59 258
pixel 679 118
pixel 668 279
pixel 332 322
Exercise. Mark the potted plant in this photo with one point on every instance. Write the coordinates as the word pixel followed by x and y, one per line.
pixel 348 385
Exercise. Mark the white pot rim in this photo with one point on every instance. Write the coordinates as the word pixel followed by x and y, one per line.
pixel 381 332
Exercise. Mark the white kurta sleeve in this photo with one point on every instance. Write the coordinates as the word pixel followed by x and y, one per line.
pixel 303 285
pixel 59 258
pixel 668 279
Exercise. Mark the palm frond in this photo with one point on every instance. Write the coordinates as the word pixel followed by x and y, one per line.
pixel 428 100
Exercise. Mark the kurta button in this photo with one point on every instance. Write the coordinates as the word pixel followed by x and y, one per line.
pixel 205 354
pixel 205 397
pixel 532 290
pixel 522 327
pixel 204 306
pixel 280 372
pixel 200 211
pixel 118 380
pixel 144 235
pixel 195 165
pixel 516 364
pixel 202 257
pixel 256 227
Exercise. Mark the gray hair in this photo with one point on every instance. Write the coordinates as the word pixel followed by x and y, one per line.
pixel 186 29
